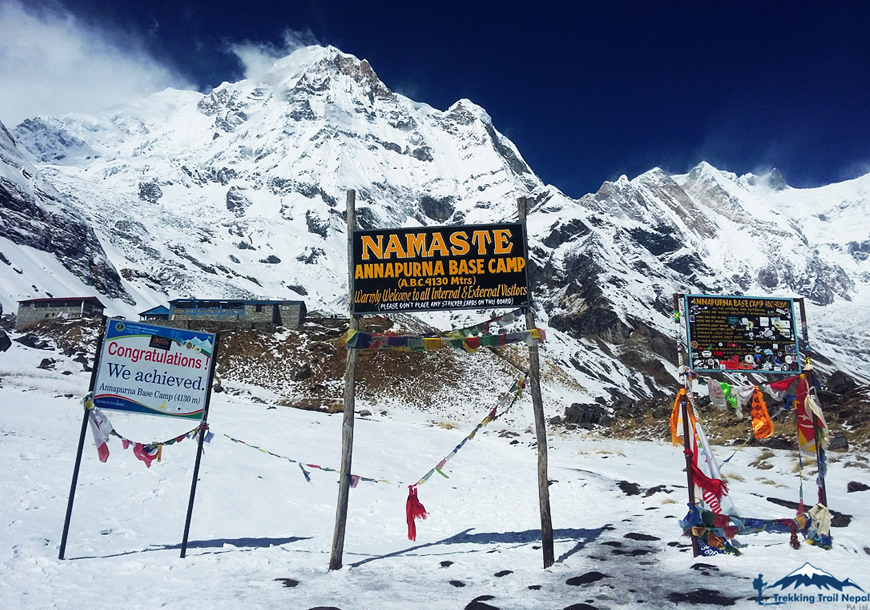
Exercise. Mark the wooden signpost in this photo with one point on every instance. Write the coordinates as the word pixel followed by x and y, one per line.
pixel 349 404
pixel 540 428
pixel 438 268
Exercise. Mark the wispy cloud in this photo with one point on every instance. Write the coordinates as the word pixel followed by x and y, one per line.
pixel 258 58
pixel 52 63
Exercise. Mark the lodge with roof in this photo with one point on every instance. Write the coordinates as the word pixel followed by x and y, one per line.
pixel 189 313
pixel 34 310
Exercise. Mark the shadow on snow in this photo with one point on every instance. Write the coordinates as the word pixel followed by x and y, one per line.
pixel 581 536
pixel 242 543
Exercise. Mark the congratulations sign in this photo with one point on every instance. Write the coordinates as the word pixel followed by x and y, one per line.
pixel 153 369
pixel 426 268
pixel 755 334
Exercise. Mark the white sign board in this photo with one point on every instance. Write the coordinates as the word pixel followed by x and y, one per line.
pixel 154 369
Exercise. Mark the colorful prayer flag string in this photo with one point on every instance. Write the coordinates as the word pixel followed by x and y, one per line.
pixel 355 479
pixel 414 343
pixel 102 429
pixel 413 508
pixel 716 529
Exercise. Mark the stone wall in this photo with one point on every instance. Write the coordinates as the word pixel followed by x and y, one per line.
pixel 265 315
pixel 28 313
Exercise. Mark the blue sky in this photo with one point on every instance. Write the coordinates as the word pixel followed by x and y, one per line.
pixel 586 90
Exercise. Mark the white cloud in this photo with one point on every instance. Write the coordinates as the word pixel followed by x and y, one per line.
pixel 52 63
pixel 258 58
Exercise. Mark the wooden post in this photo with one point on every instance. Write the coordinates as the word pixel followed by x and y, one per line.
pixel 349 403
pixel 684 406
pixel 540 423
pixel 688 450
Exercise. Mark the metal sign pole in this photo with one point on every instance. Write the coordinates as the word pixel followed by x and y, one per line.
pixel 75 477
pixel 203 430
pixel 349 404
pixel 540 423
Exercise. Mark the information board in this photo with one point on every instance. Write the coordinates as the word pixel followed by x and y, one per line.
pixel 728 333
pixel 436 268
pixel 153 369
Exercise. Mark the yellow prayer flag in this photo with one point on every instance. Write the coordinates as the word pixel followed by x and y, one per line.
pixel 432 343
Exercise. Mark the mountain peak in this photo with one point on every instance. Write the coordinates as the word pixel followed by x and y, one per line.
pixel 321 64
pixel 772 179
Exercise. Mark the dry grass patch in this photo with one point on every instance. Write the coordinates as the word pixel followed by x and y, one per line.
pixel 807 462
pixel 322 405
pixel 764 481
pixel 444 425
pixel 761 462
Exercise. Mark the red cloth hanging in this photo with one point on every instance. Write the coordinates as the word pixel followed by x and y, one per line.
pixel 784 384
pixel 717 487
pixel 413 510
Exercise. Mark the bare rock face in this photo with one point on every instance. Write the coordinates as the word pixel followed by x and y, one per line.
pixel 5 341
pixel 237 202
pixel 150 192
pixel 840 383
pixel 33 213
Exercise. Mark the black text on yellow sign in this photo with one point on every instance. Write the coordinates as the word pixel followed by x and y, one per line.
pixel 473 266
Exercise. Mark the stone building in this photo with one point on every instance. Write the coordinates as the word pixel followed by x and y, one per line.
pixel 33 310
pixel 244 314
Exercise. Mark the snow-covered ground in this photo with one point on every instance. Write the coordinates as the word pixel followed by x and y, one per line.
pixel 256 520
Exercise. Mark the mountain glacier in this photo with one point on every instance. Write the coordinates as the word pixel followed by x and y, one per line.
pixel 241 193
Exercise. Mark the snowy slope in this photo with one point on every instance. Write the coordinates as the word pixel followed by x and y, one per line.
pixel 33 215
pixel 257 521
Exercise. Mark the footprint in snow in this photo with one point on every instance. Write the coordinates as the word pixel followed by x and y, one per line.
pixel 585 579
pixel 287 582
pixel 644 537
pixel 702 596
pixel 478 603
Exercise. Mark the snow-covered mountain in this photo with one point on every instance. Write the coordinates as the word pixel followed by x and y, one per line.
pixel 241 192
pixel 34 215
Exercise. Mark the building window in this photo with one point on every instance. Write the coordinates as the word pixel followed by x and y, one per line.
pixel 259 308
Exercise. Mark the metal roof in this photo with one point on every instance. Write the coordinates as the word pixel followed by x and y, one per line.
pixel 160 309
pixel 92 300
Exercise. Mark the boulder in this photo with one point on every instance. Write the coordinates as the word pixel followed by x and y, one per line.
pixel 838 442
pixel 840 383
pixel 47 364
pixel 31 340
pixel 586 415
